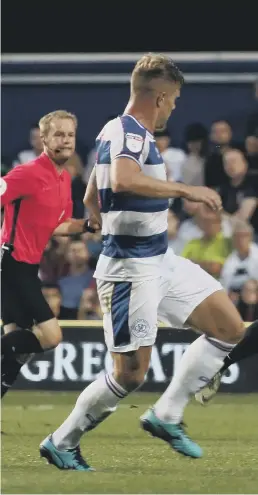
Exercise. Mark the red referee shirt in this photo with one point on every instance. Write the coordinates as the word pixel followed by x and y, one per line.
pixel 45 203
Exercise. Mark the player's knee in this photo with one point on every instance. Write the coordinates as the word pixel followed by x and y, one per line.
pixel 130 369
pixel 236 331
pixel 10 327
pixel 130 381
pixel 49 334
pixel 50 340
pixel 54 339
pixel 233 331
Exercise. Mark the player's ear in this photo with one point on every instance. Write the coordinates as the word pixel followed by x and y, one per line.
pixel 160 100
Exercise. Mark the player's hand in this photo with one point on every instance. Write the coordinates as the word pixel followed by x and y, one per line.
pixel 92 225
pixel 201 194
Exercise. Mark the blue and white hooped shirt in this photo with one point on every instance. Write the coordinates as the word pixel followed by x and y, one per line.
pixel 134 228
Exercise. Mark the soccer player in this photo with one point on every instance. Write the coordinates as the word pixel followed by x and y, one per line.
pixel 138 280
pixel 247 347
pixel 37 204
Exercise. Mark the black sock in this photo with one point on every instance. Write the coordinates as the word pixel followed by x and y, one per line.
pixel 19 342
pixel 247 347
pixel 10 369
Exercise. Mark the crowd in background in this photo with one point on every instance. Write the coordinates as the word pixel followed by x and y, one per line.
pixel 225 245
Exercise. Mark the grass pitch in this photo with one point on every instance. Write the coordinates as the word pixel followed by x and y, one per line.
pixel 127 460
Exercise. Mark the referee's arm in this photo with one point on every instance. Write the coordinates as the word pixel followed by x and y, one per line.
pixel 17 183
pixel 71 226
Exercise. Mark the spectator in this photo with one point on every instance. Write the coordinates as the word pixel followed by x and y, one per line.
pixel 79 277
pixel 54 264
pixel 173 157
pixel 212 249
pixel 52 295
pixel 36 147
pixel 94 243
pixel 242 264
pixel 196 137
pixel 173 223
pixel 220 137
pixel 75 168
pixel 91 158
pixel 89 306
pixel 78 192
pixel 189 228
pixel 238 195
pixel 251 145
pixel 248 301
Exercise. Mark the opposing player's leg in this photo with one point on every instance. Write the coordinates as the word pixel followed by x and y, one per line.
pixel 247 347
pixel 197 300
pixel 23 304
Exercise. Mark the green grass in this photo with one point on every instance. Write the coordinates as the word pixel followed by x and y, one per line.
pixel 126 458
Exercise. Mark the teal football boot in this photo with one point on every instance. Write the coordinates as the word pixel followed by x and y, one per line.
pixel 63 459
pixel 173 434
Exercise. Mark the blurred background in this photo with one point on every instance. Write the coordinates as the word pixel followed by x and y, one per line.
pixel 78 56
pixel 211 139
pixel 80 60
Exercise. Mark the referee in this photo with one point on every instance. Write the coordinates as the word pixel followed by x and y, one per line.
pixel 37 205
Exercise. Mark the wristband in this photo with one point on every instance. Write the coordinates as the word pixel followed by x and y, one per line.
pixel 87 228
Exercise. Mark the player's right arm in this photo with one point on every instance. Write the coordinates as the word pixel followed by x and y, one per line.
pixel 19 182
pixel 127 177
pixel 90 199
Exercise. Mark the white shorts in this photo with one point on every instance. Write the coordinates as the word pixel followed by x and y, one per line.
pixel 131 310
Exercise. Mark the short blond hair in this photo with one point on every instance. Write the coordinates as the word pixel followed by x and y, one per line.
pixel 152 67
pixel 44 123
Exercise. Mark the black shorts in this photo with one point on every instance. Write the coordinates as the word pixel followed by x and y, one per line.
pixel 21 297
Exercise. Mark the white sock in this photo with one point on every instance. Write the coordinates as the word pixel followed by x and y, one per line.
pixel 199 363
pixel 95 403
